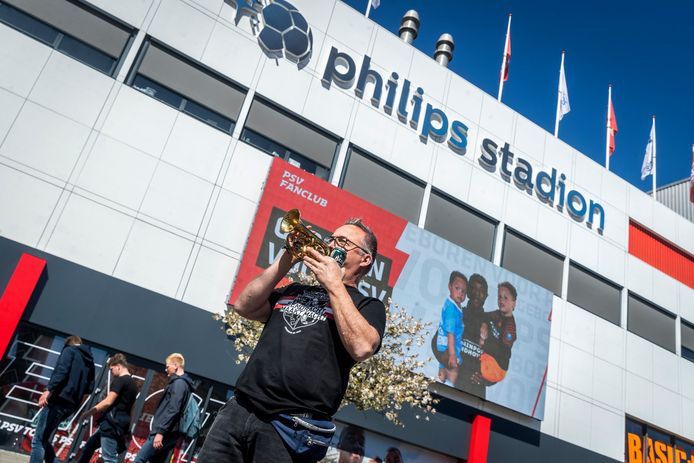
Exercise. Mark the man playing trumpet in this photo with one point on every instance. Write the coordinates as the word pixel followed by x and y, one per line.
pixel 313 335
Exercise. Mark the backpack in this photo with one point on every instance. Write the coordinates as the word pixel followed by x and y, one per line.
pixel 191 419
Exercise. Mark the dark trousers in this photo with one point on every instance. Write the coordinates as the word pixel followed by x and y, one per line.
pixel 149 454
pixel 239 436
pixel 49 418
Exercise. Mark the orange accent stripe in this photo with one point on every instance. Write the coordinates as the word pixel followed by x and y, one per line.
pixel 661 254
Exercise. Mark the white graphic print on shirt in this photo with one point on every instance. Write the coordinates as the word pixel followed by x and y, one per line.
pixel 306 309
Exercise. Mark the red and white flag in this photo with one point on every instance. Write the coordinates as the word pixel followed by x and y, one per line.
pixel 691 179
pixel 611 124
pixel 506 60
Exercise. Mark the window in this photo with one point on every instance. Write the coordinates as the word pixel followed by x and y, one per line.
pixel 279 134
pixel 460 225
pixel 687 340
pixel 181 84
pixel 651 322
pixel 72 28
pixel 594 294
pixel 532 261
pixel 383 186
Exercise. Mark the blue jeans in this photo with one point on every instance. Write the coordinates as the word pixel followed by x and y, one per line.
pixel 49 418
pixel 239 435
pixel 149 453
pixel 109 448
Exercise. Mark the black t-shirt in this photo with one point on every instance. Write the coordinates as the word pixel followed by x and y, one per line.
pixel 126 389
pixel 300 364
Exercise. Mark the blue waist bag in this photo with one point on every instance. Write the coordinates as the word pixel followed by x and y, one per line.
pixel 306 438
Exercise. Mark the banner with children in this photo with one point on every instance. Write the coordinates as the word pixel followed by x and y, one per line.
pixel 489 327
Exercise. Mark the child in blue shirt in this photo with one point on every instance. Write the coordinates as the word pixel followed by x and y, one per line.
pixel 450 331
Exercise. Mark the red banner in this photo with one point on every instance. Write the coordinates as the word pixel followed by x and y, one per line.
pixel 325 207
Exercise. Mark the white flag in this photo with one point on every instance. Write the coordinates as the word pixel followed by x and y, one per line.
pixel 564 106
pixel 375 3
pixel 648 166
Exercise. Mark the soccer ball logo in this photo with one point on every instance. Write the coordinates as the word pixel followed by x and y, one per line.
pixel 285 32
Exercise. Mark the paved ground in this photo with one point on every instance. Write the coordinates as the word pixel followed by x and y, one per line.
pixel 10 457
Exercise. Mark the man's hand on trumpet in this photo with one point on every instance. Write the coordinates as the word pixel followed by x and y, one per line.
pixel 325 268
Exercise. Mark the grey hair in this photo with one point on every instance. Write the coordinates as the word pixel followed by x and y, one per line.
pixel 370 240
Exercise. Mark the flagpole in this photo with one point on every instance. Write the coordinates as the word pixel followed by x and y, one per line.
pixel 607 132
pixel 368 8
pixel 503 59
pixel 655 152
pixel 556 119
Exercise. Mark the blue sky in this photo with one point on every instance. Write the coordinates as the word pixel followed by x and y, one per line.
pixel 644 49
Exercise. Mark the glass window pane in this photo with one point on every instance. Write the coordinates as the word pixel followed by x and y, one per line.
pixel 208 116
pixel 157 91
pixel 687 341
pixel 191 82
pixel 651 323
pixel 533 262
pixel 383 187
pixel 87 54
pixel 78 22
pixel 594 294
pixel 28 25
pixel 291 133
pixel 460 225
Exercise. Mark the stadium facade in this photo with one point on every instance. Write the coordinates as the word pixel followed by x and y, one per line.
pixel 136 138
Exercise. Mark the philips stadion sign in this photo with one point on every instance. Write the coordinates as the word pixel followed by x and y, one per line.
pixel 286 33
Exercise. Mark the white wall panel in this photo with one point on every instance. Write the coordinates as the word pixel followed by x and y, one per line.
pixel 233 54
pixel 640 207
pixel 639 356
pixel 90 234
pixel 665 369
pixel 573 420
pixel 390 53
pixel 457 185
pixel 213 6
pixel 177 198
pixel 549 424
pixel 21 60
pixel 639 277
pixel 611 262
pixel 411 155
pixel 247 172
pixel 10 103
pixel 552 228
pixel 686 378
pixel 522 212
pixel 529 139
pixel 614 190
pixel 607 433
pixel 196 148
pixel 331 109
pixel 431 76
pixel 71 88
pixel 140 121
pixel 26 205
pixel 486 193
pixel 375 132
pixel 153 258
pixel 639 397
pixel 579 328
pixel 686 413
pixel 231 221
pixel 317 14
pixel 210 281
pixel 465 99
pixel 348 26
pixel 608 384
pixel 497 118
pixel 686 301
pixel 584 245
pixel 588 176
pixel 282 83
pixel 560 156
pixel 610 342
pixel 553 362
pixel 665 292
pixel 666 409
pixel 117 172
pixel 53 150
pixel 182 27
pixel 576 371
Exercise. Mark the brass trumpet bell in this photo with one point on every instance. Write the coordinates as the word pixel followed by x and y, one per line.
pixel 301 237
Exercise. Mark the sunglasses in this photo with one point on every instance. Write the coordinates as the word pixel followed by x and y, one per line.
pixel 344 243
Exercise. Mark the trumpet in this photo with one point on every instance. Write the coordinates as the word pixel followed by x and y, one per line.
pixel 303 239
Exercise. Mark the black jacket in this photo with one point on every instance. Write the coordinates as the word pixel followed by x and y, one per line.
pixel 73 376
pixel 171 406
